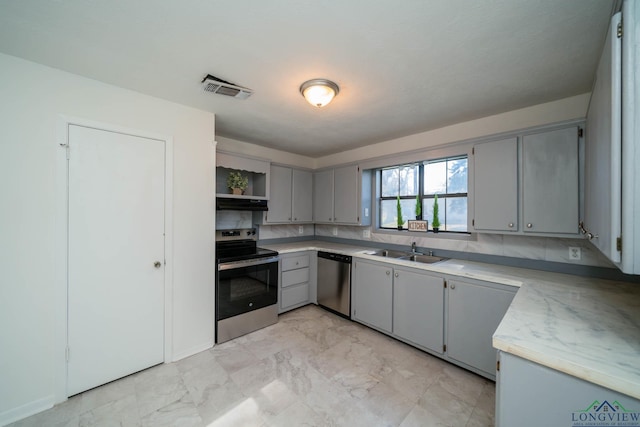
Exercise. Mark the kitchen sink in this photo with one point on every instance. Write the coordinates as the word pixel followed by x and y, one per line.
pixel 424 259
pixel 390 253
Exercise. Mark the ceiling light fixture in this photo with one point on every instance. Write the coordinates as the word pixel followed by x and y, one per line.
pixel 319 92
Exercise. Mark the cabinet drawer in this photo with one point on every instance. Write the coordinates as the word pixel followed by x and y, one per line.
pixel 294 277
pixel 295 262
pixel 295 295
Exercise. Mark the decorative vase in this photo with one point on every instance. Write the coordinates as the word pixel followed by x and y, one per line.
pixel 400 227
pixel 436 229
pixel 418 217
pixel 237 191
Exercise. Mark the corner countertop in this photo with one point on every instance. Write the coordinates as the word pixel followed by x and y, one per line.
pixel 588 328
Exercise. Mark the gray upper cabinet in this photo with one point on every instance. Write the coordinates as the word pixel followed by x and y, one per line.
pixel 302 196
pixel 280 200
pixel 603 150
pixel 373 295
pixel 528 184
pixel 291 196
pixel 474 313
pixel 342 196
pixel 346 195
pixel 418 308
pixel 550 181
pixel 496 185
pixel 323 196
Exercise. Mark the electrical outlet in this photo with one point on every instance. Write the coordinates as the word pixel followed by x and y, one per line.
pixel 334 231
pixel 575 253
pixel 366 234
pixel 300 229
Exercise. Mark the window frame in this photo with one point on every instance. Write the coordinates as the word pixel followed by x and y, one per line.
pixel 421 191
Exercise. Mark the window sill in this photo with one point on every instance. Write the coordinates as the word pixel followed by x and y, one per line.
pixel 470 237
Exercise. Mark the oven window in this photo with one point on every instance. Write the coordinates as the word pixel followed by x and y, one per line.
pixel 243 289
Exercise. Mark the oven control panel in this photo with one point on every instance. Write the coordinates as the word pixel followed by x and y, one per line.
pixel 236 234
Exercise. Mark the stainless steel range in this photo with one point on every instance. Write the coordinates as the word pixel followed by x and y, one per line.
pixel 246 284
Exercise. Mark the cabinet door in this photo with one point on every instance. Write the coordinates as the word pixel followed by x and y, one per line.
pixel 418 308
pixel 496 185
pixel 280 198
pixel 346 195
pixel 603 149
pixel 323 196
pixel 302 196
pixel 550 182
pixel 474 313
pixel 373 295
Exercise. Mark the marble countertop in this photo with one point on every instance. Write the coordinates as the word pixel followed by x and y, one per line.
pixel 587 328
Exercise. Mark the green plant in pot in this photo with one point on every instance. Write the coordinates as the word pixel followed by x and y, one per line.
pixel 418 208
pixel 400 220
pixel 237 183
pixel 435 223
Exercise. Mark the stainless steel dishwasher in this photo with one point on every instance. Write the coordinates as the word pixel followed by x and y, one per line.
pixel 334 283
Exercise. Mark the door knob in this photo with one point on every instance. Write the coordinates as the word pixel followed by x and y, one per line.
pixel 157 264
pixel 510 225
pixel 529 225
pixel 453 286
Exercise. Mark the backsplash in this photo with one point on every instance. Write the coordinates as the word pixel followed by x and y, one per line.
pixel 231 220
pixel 526 247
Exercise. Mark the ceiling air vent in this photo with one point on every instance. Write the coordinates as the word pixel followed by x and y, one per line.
pixel 215 85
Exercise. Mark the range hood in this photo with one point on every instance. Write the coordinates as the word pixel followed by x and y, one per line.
pixel 232 204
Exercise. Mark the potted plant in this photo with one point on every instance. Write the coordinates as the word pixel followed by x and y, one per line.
pixel 436 221
pixel 237 183
pixel 418 208
pixel 400 220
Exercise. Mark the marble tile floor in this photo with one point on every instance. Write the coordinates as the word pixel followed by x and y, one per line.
pixel 312 368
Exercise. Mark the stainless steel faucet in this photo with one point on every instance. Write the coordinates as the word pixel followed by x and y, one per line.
pixel 413 249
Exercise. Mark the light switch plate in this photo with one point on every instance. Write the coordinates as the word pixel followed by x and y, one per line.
pixel 335 231
pixel 366 234
pixel 575 253
pixel 300 229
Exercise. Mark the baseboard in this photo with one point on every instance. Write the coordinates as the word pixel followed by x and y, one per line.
pixel 191 351
pixel 26 410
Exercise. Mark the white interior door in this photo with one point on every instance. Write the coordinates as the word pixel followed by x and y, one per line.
pixel 116 237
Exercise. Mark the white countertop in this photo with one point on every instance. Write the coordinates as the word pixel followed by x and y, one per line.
pixel 587 328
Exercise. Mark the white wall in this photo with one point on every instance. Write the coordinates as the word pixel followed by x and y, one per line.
pixel 32 98
pixel 537 115
pixel 276 156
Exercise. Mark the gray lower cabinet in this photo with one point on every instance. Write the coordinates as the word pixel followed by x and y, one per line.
pixel 450 318
pixel 418 308
pixel 372 292
pixel 474 311
pixel 532 395
pixel 296 280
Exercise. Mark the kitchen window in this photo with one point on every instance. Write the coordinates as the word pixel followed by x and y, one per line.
pixel 447 178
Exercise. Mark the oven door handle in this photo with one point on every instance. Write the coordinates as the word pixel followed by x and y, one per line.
pixel 246 263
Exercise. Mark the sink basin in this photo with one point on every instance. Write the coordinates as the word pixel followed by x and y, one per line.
pixel 425 259
pixel 390 253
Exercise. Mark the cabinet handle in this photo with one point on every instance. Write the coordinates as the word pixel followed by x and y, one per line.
pixel 453 286
pixel 396 275
pixel 529 225
pixel 289 219
pixel 510 225
pixel 388 272
pixel 295 219
pixel 335 219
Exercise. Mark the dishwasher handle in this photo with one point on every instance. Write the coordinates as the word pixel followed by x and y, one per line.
pixel 335 257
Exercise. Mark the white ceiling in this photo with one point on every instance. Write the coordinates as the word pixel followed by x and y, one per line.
pixel 402 66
